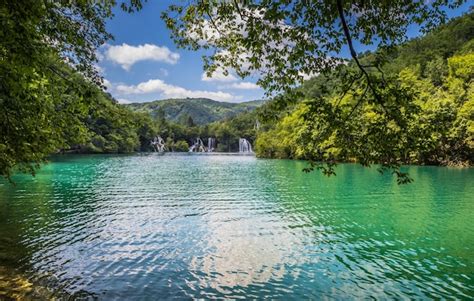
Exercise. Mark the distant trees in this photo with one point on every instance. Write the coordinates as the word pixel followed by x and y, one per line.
pixel 227 132
pixel 50 95
pixel 430 99
pixel 180 146
pixel 285 42
pixel 47 55
pixel 186 120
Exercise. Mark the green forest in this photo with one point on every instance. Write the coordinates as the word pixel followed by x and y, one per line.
pixel 436 71
pixel 201 110
pixel 257 149
pixel 426 118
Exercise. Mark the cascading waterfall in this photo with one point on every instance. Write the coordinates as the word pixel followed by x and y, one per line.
pixel 245 146
pixel 211 144
pixel 158 144
pixel 198 146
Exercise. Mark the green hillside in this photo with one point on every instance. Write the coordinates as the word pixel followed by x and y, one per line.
pixel 201 110
pixel 426 116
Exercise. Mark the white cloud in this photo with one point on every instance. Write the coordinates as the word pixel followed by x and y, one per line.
pixel 218 76
pixel 123 101
pixel 243 86
pixel 99 69
pixel 308 76
pixel 126 55
pixel 107 84
pixel 172 91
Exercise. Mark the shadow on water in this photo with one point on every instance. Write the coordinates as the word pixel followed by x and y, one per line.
pixel 216 226
pixel 35 214
pixel 383 239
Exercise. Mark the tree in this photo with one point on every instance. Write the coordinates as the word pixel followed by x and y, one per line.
pixel 190 121
pixel 181 146
pixel 285 42
pixel 438 122
pixel 161 116
pixel 47 49
pixel 226 138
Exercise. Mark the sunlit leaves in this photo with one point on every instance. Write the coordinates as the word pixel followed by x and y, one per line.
pixel 420 122
pixel 281 41
pixel 47 57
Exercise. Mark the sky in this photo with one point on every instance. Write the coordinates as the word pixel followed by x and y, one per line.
pixel 142 63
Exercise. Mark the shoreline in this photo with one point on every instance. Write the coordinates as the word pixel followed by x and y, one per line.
pixel 17 286
pixel 459 165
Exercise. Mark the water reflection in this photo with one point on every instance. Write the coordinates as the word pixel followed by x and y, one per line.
pixel 137 227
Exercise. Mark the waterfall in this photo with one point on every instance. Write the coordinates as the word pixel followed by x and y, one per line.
pixel 198 146
pixel 245 146
pixel 158 144
pixel 211 144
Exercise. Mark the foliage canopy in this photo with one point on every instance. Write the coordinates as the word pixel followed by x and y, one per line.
pixel 362 109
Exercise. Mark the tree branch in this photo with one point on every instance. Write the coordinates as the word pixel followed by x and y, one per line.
pixel 358 103
pixel 348 88
pixel 212 20
pixel 347 34
pixel 238 9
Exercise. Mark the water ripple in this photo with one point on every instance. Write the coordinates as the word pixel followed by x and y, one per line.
pixel 229 227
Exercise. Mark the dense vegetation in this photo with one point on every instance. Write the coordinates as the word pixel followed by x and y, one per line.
pixel 286 41
pixel 179 136
pixel 114 128
pixel 47 76
pixel 415 108
pixel 200 110
pixel 433 77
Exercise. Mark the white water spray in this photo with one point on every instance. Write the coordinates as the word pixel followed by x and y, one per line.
pixel 245 146
pixel 198 146
pixel 158 144
pixel 211 144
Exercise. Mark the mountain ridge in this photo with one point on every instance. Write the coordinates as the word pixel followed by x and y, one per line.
pixel 201 110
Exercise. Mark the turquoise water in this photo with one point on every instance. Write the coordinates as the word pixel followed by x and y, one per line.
pixel 150 227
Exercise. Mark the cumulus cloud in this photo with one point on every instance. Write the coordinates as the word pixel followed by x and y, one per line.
pixel 221 76
pixel 243 86
pixel 123 101
pixel 172 91
pixel 218 76
pixel 126 55
pixel 308 76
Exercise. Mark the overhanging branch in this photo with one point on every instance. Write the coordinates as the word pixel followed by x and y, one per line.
pixel 354 56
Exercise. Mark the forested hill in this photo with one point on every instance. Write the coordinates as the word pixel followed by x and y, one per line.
pixel 198 111
pixel 426 117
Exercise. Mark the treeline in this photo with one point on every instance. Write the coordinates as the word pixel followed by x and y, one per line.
pixel 427 116
pixel 432 75
pixel 179 136
pixel 201 110
pixel 109 127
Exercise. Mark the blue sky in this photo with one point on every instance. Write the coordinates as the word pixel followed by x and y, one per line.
pixel 143 64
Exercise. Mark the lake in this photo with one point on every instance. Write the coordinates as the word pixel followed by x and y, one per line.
pixel 150 227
